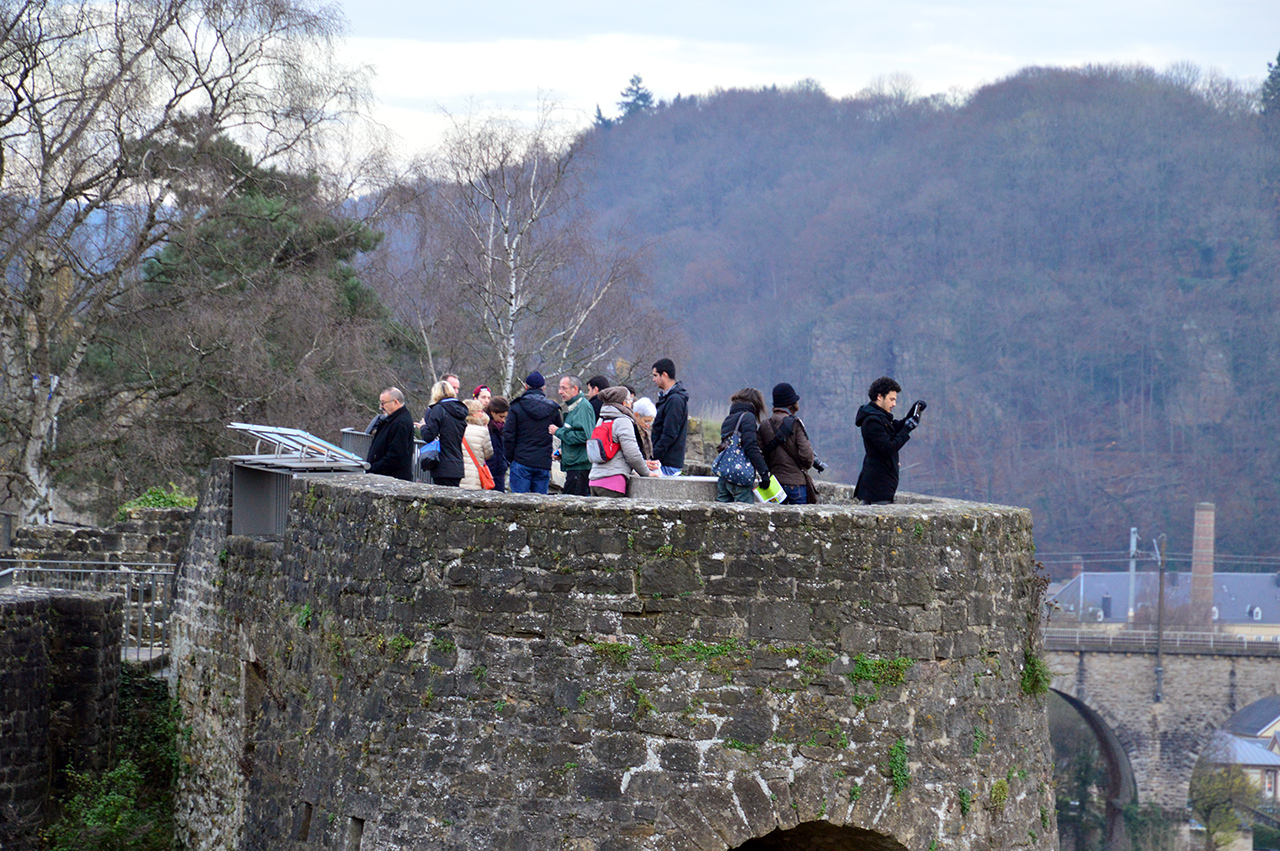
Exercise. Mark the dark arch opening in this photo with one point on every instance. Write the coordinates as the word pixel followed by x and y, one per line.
pixel 1121 787
pixel 821 836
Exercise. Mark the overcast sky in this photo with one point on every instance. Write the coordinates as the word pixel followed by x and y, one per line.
pixel 431 56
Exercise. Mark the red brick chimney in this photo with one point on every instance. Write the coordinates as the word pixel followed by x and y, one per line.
pixel 1077 566
pixel 1202 557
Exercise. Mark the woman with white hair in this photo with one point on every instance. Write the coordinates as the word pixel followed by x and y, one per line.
pixel 645 411
pixel 609 477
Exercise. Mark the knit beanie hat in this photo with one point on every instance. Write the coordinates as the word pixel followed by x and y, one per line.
pixel 784 395
pixel 535 379
pixel 616 395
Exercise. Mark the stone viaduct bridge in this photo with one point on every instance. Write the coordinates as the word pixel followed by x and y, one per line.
pixel 1150 745
pixel 406 667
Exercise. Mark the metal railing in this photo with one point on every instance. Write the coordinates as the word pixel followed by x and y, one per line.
pixel 1144 641
pixel 148 591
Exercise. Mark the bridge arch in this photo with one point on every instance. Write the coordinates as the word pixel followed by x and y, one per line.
pixel 822 836
pixel 1201 687
pixel 1122 789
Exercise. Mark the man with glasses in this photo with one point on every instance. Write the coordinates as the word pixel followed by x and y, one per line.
pixel 391 452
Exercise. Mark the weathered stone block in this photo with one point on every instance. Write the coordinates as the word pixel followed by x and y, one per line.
pixel 780 621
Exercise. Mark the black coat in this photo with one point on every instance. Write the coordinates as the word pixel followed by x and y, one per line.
pixel 447 420
pixel 742 415
pixel 671 426
pixel 391 452
pixel 525 439
pixel 882 437
pixel 498 463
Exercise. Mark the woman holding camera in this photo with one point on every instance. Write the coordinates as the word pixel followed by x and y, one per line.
pixel 786 447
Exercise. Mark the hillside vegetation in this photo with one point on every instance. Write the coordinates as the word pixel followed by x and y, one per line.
pixel 1077 268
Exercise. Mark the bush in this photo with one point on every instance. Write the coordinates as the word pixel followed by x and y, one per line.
pixel 157 498
pixel 129 807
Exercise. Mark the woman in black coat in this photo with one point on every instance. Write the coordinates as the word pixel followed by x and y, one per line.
pixel 447 420
pixel 497 411
pixel 746 407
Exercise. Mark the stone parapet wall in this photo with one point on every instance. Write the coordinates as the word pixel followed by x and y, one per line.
pixel 151 536
pixel 59 674
pixel 416 667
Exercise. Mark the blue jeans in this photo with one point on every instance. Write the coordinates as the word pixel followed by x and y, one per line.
pixel 796 494
pixel 529 479
pixel 670 471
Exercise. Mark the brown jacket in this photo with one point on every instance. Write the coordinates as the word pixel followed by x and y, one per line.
pixel 789 460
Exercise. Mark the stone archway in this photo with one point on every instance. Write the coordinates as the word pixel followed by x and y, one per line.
pixel 1121 787
pixel 822 836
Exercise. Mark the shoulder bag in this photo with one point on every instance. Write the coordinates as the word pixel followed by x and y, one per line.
pixel 486 478
pixel 732 464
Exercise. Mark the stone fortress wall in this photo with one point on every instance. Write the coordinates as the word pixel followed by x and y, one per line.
pixel 59 676
pixel 414 667
pixel 150 537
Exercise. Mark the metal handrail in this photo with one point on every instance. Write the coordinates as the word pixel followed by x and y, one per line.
pixel 148 596
pixel 1145 641
pixel 19 563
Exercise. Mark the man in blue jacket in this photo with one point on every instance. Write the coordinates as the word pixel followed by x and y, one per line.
pixel 526 438
pixel 671 425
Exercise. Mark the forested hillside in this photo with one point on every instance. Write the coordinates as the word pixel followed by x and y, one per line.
pixel 1076 268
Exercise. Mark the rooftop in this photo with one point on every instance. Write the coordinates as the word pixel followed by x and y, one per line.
pixel 1238 597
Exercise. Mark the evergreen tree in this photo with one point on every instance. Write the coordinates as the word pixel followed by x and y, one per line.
pixel 635 98
pixel 600 121
pixel 1271 90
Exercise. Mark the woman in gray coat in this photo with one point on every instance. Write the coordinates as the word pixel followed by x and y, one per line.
pixel 610 477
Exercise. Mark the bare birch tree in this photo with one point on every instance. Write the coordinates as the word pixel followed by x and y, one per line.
pixel 107 113
pixel 505 246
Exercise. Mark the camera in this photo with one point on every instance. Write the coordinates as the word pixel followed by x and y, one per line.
pixel 819 466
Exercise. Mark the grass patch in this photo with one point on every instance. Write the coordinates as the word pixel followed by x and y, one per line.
pixel 1036 676
pixel 880 673
pixel 155 497
pixel 999 794
pixel 614 652
pixel 896 766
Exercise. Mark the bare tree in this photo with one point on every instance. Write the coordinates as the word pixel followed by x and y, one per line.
pixel 108 119
pixel 508 271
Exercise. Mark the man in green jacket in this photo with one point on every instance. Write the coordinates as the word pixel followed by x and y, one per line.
pixel 579 420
